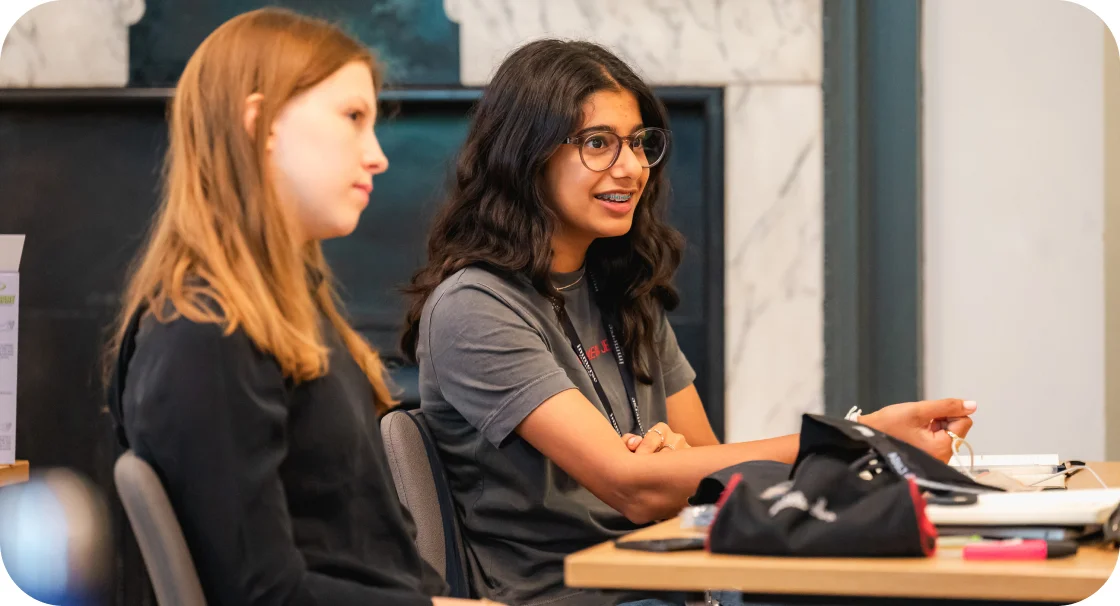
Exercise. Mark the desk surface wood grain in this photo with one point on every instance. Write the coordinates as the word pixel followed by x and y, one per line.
pixel 14 474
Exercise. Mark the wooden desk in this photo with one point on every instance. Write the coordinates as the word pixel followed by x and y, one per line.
pixel 944 576
pixel 14 474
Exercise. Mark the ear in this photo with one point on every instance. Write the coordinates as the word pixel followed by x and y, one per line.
pixel 249 118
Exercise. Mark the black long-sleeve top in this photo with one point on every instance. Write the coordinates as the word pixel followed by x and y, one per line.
pixel 283 491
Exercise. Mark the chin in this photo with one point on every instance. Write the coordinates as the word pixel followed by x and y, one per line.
pixel 338 229
pixel 347 229
pixel 614 228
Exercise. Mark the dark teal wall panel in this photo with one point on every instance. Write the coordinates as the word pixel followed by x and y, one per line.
pixel 873 203
pixel 413 38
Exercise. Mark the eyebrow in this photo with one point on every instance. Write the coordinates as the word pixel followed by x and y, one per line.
pixel 360 101
pixel 600 128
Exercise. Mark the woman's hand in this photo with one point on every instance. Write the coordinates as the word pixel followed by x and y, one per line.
pixel 657 439
pixel 924 424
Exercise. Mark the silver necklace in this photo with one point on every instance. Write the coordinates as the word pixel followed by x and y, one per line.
pixel 572 284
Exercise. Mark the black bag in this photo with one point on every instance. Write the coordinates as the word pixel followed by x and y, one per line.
pixel 852 492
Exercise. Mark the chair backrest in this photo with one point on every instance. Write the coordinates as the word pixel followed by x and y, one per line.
pixel 423 489
pixel 158 533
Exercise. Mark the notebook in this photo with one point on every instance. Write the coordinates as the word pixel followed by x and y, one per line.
pixel 1046 508
pixel 1051 460
pixel 1030 470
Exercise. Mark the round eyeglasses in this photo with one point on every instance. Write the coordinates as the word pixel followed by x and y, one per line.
pixel 600 150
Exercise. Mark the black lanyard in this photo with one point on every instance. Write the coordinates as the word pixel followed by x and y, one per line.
pixel 619 357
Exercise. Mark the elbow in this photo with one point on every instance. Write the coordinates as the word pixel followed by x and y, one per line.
pixel 639 511
pixel 638 501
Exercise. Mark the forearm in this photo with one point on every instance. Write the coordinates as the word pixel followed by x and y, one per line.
pixel 658 486
pixel 687 417
pixel 640 486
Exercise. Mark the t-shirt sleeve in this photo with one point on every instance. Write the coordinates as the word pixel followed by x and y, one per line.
pixel 489 361
pixel 677 372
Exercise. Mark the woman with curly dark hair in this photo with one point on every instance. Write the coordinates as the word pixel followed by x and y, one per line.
pixel 549 374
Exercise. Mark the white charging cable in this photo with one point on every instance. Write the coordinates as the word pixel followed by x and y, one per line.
pixel 1068 471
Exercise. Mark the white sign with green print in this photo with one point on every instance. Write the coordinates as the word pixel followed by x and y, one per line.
pixel 11 250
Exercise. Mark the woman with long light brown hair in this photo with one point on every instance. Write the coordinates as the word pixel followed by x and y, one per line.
pixel 232 371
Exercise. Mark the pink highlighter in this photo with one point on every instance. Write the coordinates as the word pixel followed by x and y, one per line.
pixel 1016 549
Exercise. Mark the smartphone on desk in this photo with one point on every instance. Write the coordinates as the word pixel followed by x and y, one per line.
pixel 663 545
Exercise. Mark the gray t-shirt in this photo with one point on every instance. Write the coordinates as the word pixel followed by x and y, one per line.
pixel 490 351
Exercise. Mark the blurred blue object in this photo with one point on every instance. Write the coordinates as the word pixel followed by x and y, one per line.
pixel 55 537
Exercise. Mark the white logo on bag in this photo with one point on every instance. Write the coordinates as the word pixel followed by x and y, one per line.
pixel 776 490
pixel 896 462
pixel 797 500
pixel 820 511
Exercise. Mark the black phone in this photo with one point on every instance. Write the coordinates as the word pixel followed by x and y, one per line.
pixel 663 545
pixel 951 499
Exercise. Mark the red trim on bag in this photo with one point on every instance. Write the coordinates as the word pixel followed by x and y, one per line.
pixel 927 532
pixel 727 490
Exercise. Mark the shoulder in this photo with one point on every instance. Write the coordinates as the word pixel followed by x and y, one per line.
pixel 190 383
pixel 178 327
pixel 480 278
pixel 477 291
pixel 175 345
pixel 185 371
pixel 476 304
pixel 182 333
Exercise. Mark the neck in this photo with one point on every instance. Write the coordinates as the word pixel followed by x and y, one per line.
pixel 568 254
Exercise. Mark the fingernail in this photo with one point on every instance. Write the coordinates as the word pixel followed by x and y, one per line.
pixel 970 406
pixel 633 441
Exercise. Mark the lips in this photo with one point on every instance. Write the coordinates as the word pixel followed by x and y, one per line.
pixel 618 197
pixel 617 203
pixel 366 187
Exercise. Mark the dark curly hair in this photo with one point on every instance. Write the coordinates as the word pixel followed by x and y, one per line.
pixel 498 215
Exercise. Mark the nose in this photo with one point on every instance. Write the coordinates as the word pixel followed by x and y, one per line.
pixel 627 165
pixel 374 160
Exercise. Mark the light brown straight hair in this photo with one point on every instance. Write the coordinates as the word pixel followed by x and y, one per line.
pixel 221 237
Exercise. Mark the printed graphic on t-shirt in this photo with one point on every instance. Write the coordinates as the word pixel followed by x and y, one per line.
pixel 597 350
